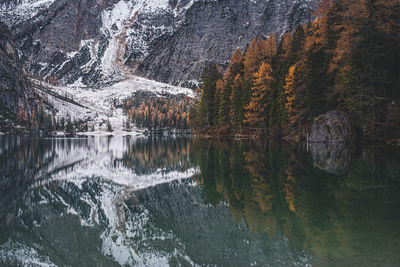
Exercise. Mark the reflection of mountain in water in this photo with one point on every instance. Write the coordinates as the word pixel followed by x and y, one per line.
pixel 122 201
pixel 55 187
pixel 137 163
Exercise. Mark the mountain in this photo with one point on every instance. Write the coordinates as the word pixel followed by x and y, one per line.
pixel 212 30
pixel 16 94
pixel 76 45
pixel 97 42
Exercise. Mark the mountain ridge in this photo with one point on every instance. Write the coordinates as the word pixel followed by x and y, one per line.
pixel 166 40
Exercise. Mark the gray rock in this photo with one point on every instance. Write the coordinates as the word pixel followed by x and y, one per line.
pixel 213 30
pixel 333 127
pixel 16 92
pixel 332 158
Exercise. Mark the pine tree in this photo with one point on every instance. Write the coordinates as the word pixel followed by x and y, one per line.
pixel 236 100
pixel 250 60
pixel 290 93
pixel 271 48
pixel 365 83
pixel 236 66
pixel 313 83
pixel 224 106
pixel 207 107
pixel 109 126
pixel 257 108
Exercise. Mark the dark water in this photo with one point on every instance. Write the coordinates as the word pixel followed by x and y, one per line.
pixel 142 202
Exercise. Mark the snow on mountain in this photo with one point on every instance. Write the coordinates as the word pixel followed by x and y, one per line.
pixel 94 47
pixel 165 40
pixel 96 106
pixel 103 39
pixel 14 12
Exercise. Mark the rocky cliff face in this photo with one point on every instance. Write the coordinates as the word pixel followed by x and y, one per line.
pixel 16 95
pixel 96 42
pixel 213 30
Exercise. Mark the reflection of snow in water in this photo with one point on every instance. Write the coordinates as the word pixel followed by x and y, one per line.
pixel 84 174
pixel 79 159
pixel 17 253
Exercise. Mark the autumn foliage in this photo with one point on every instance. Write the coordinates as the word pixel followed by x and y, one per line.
pixel 158 112
pixel 348 58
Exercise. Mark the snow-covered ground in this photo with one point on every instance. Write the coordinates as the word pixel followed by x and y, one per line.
pixel 25 9
pixel 116 83
pixel 97 105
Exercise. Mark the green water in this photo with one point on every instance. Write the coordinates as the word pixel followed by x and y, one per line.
pixel 160 202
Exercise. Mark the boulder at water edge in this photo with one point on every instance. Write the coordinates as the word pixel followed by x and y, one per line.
pixel 333 127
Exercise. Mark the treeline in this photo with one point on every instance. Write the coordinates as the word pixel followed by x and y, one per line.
pixel 348 59
pixel 158 112
pixel 44 121
pixel 146 156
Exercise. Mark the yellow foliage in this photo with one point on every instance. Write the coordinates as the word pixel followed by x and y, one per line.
pixel 290 92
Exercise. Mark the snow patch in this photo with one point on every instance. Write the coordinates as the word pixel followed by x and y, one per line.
pixel 26 9
pixel 96 106
pixel 20 254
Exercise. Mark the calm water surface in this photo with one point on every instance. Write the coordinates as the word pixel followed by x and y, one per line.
pixel 159 202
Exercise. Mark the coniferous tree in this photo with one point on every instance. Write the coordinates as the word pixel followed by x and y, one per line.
pixel 348 58
pixel 251 63
pixel 256 110
pixel 236 99
pixel 207 107
pixel 271 48
pixel 290 93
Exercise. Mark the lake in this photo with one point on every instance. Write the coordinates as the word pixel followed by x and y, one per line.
pixel 177 202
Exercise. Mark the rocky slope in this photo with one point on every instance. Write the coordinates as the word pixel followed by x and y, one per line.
pixel 16 94
pixel 213 30
pixel 96 42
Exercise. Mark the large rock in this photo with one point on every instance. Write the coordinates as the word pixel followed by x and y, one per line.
pixel 333 127
pixel 16 94
pixel 332 158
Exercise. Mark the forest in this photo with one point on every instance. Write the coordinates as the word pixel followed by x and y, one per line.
pixel 157 113
pixel 347 58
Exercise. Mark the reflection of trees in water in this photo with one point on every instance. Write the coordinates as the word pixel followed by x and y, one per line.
pixel 20 160
pixel 149 155
pixel 279 191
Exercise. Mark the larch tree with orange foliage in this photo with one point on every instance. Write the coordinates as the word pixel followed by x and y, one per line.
pixel 225 86
pixel 271 48
pixel 255 114
pixel 250 60
pixel 290 93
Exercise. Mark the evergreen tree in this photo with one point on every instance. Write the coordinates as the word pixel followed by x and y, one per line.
pixel 236 101
pixel 348 58
pixel 109 126
pixel 236 66
pixel 256 110
pixel 290 93
pixel 271 48
pixel 207 107
pixel 251 63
